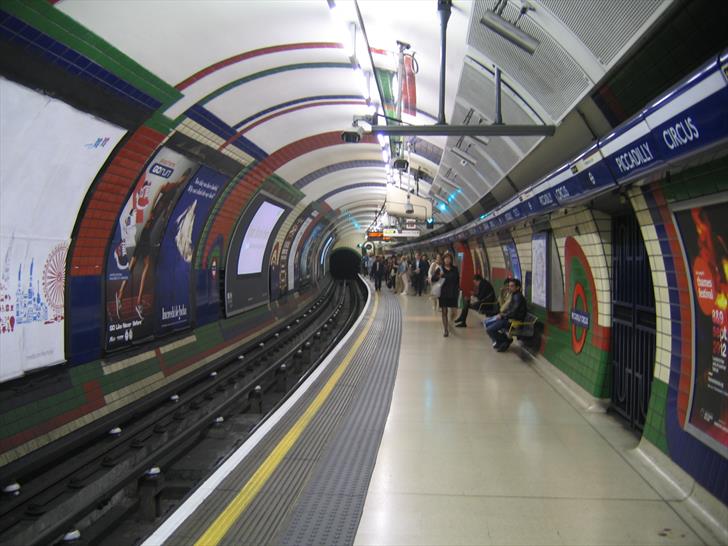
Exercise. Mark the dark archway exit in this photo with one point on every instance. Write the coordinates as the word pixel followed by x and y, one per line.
pixel 633 322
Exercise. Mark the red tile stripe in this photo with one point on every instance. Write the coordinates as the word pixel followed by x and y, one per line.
pixel 94 400
pixel 237 199
pixel 99 218
pixel 251 54
pixel 287 111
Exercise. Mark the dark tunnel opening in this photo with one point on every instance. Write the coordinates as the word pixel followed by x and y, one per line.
pixel 345 263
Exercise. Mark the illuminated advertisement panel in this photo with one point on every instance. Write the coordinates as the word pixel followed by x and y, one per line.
pixel 294 256
pixel 247 274
pixel 252 249
pixel 513 264
pixel 174 265
pixel 50 154
pixel 539 268
pixel 704 231
pixel 131 262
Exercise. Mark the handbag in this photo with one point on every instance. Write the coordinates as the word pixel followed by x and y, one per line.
pixel 437 288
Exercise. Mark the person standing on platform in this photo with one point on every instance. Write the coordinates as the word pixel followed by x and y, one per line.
pixel 403 274
pixel 482 300
pixel 515 309
pixel 419 270
pixel 450 289
pixel 378 272
pixel 434 266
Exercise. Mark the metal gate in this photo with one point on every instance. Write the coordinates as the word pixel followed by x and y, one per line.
pixel 633 322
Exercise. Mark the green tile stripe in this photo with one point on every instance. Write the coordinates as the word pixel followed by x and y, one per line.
pixel 208 337
pixel 128 376
pixel 48 19
pixel 160 122
pixel 30 415
pixel 82 373
pixel 655 430
pixel 293 193
pixel 705 179
pixel 588 369
pixel 262 74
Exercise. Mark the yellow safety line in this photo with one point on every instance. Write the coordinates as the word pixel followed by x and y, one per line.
pixel 215 532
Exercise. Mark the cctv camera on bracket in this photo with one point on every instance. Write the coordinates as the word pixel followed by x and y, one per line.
pixel 353 135
pixel 401 164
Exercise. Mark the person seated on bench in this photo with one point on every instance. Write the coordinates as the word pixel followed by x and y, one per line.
pixel 515 310
pixel 482 300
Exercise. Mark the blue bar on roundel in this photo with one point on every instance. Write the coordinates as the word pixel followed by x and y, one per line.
pixel 591 171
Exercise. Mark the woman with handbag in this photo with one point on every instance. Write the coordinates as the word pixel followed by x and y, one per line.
pixel 449 290
pixel 434 266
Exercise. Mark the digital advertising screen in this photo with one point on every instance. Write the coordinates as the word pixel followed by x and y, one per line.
pixel 252 249
pixel 50 155
pixel 704 231
pixel 247 275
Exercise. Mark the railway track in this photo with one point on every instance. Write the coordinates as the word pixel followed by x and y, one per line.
pixel 112 482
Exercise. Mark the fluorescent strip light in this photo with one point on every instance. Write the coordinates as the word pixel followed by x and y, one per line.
pixel 510 32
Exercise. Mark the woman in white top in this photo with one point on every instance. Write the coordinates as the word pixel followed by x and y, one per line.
pixel 434 266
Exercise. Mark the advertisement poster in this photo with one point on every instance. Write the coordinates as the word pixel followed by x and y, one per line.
pixel 50 154
pixel 174 265
pixel 283 262
pixel 513 264
pixel 208 285
pixel 704 231
pixel 539 275
pixel 131 264
pixel 294 256
pixel 306 255
pixel 31 304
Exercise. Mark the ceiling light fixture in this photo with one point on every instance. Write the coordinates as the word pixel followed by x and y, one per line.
pixel 510 32
pixel 465 156
pixel 450 183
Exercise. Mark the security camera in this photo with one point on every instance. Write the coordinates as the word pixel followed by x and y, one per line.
pixel 408 208
pixel 354 135
pixel 401 164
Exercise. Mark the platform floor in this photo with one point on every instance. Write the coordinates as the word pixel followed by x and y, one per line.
pixel 479 448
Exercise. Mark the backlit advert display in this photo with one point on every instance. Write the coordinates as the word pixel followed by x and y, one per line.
pixel 174 265
pixel 132 262
pixel 704 232
pixel 247 274
pixel 252 250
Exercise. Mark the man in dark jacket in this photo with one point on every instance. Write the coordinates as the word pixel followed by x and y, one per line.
pixel 419 272
pixel 484 300
pixel 378 272
pixel 515 310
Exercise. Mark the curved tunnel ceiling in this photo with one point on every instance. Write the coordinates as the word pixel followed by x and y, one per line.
pixel 275 83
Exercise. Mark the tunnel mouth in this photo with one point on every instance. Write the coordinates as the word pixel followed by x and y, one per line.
pixel 345 263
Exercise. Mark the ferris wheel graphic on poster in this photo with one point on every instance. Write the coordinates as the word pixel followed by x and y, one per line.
pixel 54 279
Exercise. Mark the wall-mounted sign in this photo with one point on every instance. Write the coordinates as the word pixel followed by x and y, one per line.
pixel 539 267
pixel 703 230
pixel 393 232
pixel 579 318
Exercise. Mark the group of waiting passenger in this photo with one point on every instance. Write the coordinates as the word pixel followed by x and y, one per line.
pixel 442 278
